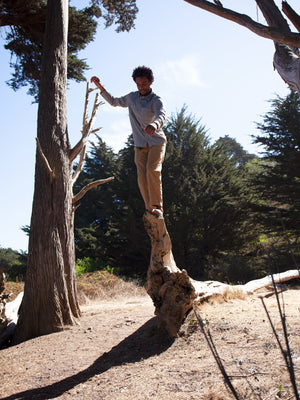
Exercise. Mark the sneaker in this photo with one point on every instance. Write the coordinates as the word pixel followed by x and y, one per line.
pixel 157 211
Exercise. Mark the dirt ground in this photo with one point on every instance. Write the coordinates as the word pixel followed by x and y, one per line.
pixel 117 353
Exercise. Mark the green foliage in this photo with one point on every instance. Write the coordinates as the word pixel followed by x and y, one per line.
pixel 88 264
pixel 278 177
pixel 205 202
pixel 24 39
pixel 108 223
pixel 220 205
pixel 234 151
pixel 205 196
pixel 13 264
pixel 120 12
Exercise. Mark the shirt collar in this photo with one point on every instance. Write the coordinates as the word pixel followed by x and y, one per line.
pixel 146 96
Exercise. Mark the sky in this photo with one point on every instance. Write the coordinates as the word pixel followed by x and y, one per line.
pixel 222 72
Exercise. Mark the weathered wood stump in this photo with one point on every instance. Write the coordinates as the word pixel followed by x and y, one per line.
pixel 169 287
pixel 173 293
pixel 3 300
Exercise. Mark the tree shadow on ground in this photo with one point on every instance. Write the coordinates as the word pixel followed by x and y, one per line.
pixel 147 341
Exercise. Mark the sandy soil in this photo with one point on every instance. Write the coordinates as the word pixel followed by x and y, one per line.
pixel 117 353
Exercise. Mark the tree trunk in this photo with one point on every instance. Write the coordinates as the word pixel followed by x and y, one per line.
pixel 50 300
pixel 170 288
pixel 173 293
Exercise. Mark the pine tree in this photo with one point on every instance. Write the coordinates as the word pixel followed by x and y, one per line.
pixel 205 204
pixel 234 150
pixel 204 196
pixel 108 224
pixel 279 180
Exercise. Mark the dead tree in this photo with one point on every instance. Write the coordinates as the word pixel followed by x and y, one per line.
pixel 287 43
pixel 173 292
pixel 170 288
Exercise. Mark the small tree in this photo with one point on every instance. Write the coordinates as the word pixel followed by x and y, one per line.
pixel 234 151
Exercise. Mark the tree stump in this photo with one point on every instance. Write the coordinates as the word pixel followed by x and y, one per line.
pixel 174 293
pixel 169 287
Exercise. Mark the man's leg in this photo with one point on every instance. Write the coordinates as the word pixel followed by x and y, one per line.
pixel 154 166
pixel 140 159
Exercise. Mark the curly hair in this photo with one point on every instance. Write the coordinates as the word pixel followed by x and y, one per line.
pixel 140 72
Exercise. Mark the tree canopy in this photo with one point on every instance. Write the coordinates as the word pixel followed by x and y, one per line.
pixel 24 35
pixel 279 178
pixel 205 203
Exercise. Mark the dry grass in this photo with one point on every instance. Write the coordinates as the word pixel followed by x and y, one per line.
pixel 227 295
pixel 103 285
pixel 91 286
pixel 13 288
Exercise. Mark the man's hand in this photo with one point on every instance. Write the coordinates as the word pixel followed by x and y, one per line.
pixel 150 130
pixel 96 81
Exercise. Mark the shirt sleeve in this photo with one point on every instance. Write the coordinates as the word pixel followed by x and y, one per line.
pixel 115 101
pixel 160 114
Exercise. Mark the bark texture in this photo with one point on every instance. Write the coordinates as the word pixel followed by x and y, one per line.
pixel 170 288
pixel 287 43
pixel 50 300
pixel 173 293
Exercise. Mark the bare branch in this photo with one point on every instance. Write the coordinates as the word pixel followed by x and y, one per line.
pixel 81 160
pixel 78 147
pixel 88 187
pixel 86 125
pixel 207 289
pixel 46 163
pixel 291 14
pixel 272 33
pixel 79 166
pixel 273 15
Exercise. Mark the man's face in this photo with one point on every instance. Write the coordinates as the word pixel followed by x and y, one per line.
pixel 143 84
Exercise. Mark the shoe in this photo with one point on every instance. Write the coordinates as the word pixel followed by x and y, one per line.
pixel 157 211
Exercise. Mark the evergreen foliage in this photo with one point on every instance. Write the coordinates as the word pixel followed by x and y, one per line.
pixel 108 224
pixel 235 151
pixel 13 263
pixel 24 38
pixel 205 203
pixel 278 180
pixel 205 197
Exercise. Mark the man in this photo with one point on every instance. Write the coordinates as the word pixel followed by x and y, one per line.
pixel 147 116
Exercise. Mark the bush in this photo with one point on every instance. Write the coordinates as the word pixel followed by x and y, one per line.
pixel 88 264
pixel 14 264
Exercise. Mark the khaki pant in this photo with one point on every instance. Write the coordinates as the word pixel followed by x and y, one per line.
pixel 148 161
